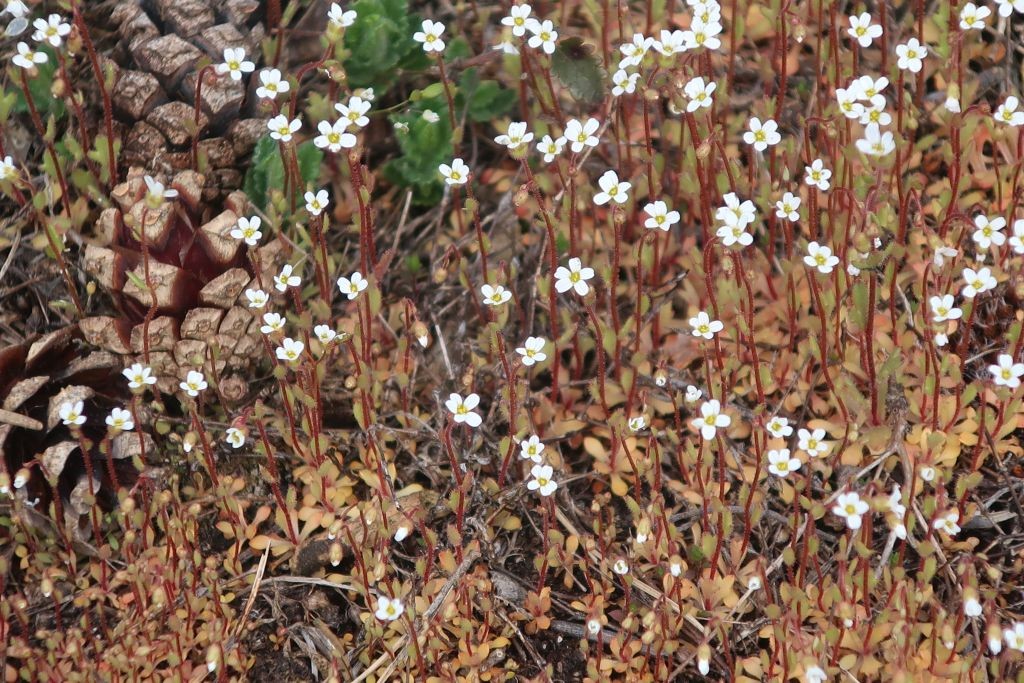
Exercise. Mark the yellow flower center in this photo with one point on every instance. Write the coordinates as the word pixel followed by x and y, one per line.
pixel 574 277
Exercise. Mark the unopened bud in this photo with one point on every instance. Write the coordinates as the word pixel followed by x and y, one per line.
pixel 335 554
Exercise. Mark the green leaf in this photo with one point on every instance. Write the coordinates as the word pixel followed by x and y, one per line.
pixel 424 147
pixel 574 64
pixel 378 42
pixel 267 170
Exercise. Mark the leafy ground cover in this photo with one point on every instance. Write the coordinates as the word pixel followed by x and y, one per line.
pixel 585 340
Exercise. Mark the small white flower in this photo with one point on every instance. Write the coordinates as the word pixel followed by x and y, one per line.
pixel 532 351
pixel 704 326
pixel 285 279
pixel 550 148
pixel 8 171
pixel 430 116
pixel 495 295
pixel 875 112
pixel 675 569
pixel 634 51
pixel 612 189
pixel 1006 373
pixel 638 423
pixel 780 463
pixel 235 437
pixel 847 101
pixel 972 608
pixel 821 258
pixel 942 253
pixel 574 277
pixel 1007 112
pixel 911 55
pixel 120 420
pixel 862 30
pixel 703 34
pixel 659 217
pixel 542 481
pixel 340 18
pixel 1015 636
pixel 693 394
pixel 788 208
pixel 333 137
pixel 698 94
pixel 138 376
pixel 290 350
pixel 850 507
pixel 51 30
pixel 27 57
pixel 1007 7
pixel 430 36
pixel 316 202
pixel 736 213
pixel 235 63
pixel 257 298
pixel 580 135
pixel 325 334
pixel 875 142
pixel 711 419
pixel 989 231
pixel 948 522
pixel 779 427
pixel 943 308
pixel 355 111
pixel 734 235
pixel 456 174
pixel 973 17
pixel 593 627
pixel 620 567
pixel 72 413
pixel 762 135
pixel 813 443
pixel 544 35
pixel 815 674
pixel 194 383
pixel 248 230
pixel 517 17
pixel 156 193
pixel 282 129
pixel 531 449
pixel 352 285
pixel 977 282
pixel 401 534
pixel 816 175
pixel 941 339
pixel 272 322
pixel 506 48
pixel 515 136
pixel 462 409
pixel 624 83
pixel 388 609
pixel 671 43
pixel 1016 241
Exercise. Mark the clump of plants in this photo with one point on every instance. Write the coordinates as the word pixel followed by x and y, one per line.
pixel 580 341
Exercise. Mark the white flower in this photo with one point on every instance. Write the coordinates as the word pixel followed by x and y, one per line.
pixel 1007 112
pixel 875 142
pixel 495 295
pixel 325 334
pixel 951 104
pixel 285 279
pixel 1015 636
pixel 340 18
pixel 456 174
pixel 816 175
pixel 542 481
pixel 235 63
pixel 387 609
pixel 517 17
pixel 941 339
pixel 702 34
pixel 693 394
pixel 121 420
pixel 580 135
pixel 612 189
pixel 506 48
pixel 544 35
pixel 815 674
pixel 847 101
pixel 972 608
pixel 282 129
pixel 316 202
pixel 948 522
pixel 671 43
pixel 16 8
pixel 352 285
pixel 813 443
pixel 942 253
pixel 28 58
pixel 430 36
pixel 138 376
pixel 531 449
pixel 659 217
pixel 550 148
pixel 780 464
pixel 1005 372
pixel 8 171
pixel 156 193
pixel 734 212
pixel 711 419
pixel 698 94
pixel 355 111
pixel 779 427
pixel 430 116
pixel 862 30
pixel 574 277
pixel 989 231
pixel 71 413
pixel 257 298
pixel 624 83
pixel 927 473
pixel 515 136
pixel 290 350
pixel 401 534
pixel 194 383
pixel 272 322
pixel 973 17
pixel 852 270
pixel 911 55
pixel 788 208
pixel 977 282
pixel 333 137
pixel 248 229
pixel 462 409
pixel 593 627
pixel 762 135
pixel 52 30
pixel 850 507
pixel 875 113
pixel 633 52
pixel 820 257
pixel 754 583
pixel 532 351
pixel 1007 7
pixel 620 567
pixel 235 437
pixel 943 308
pixel 1017 241
pixel 899 510
pixel 704 326
pixel 637 423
